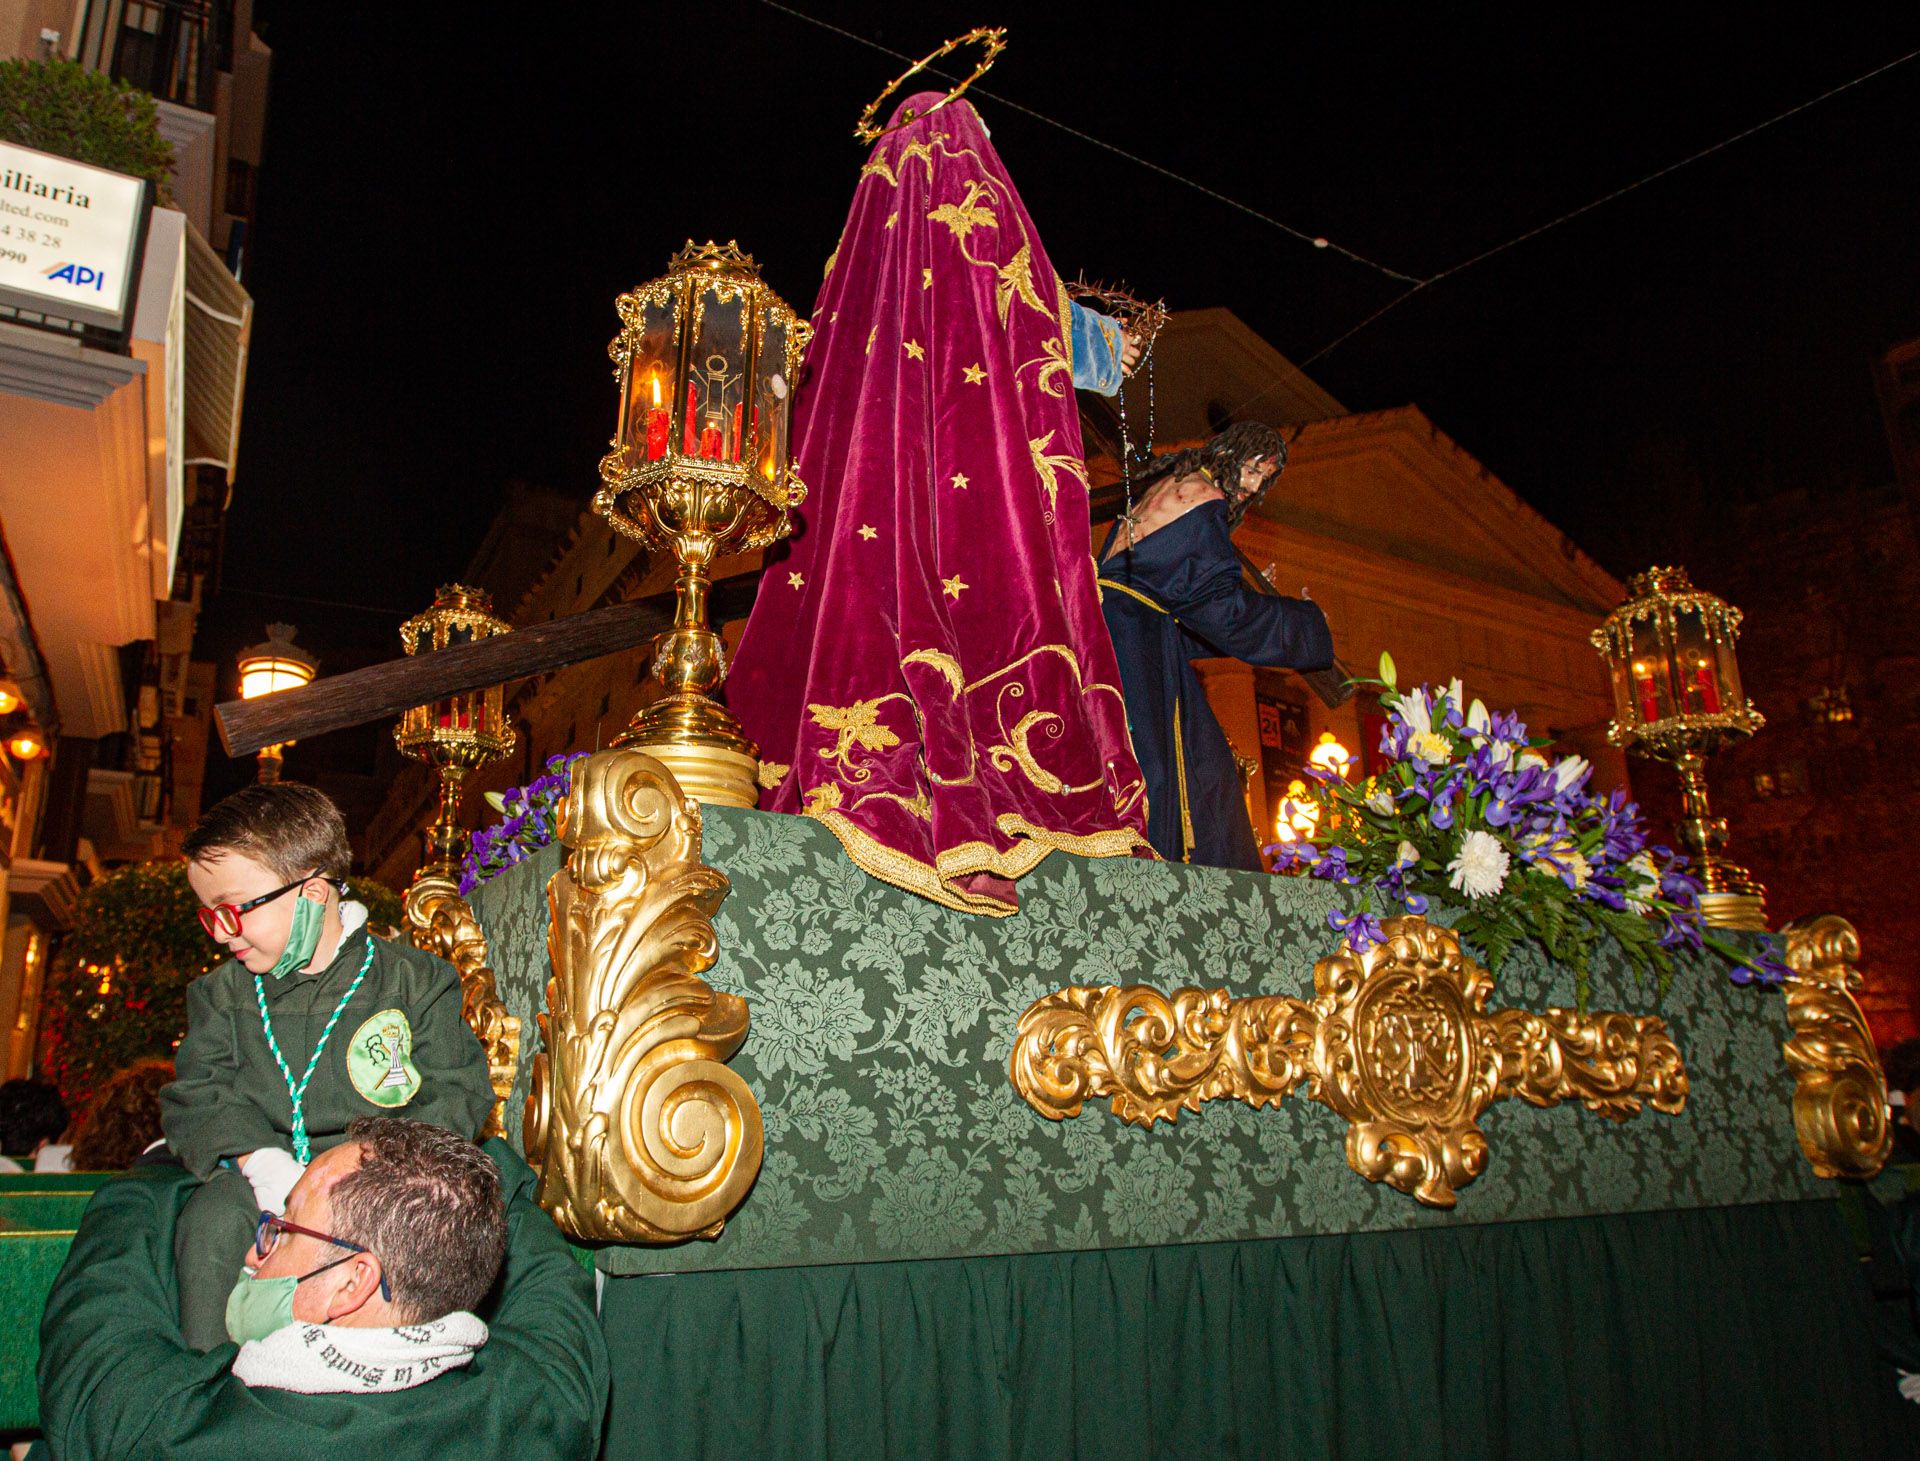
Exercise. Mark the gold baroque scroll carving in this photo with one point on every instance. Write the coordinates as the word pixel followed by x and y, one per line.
pixel 640 1131
pixel 1840 1091
pixel 441 922
pixel 1398 1040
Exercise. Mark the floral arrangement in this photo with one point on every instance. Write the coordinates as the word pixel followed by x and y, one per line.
pixel 529 815
pixel 1470 812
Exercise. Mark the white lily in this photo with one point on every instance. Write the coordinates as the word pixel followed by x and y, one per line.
pixel 1477 717
pixel 1406 856
pixel 1568 770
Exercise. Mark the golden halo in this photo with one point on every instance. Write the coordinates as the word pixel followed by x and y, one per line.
pixel 993 37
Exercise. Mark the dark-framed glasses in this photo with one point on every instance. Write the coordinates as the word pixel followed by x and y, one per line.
pixel 222 920
pixel 266 1237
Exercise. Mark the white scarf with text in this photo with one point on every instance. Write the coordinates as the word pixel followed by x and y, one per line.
pixel 330 1359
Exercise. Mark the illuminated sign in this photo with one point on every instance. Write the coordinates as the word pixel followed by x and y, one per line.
pixel 69 237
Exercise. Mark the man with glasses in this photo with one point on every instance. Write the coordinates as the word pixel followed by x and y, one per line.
pixel 311 1023
pixel 373 1317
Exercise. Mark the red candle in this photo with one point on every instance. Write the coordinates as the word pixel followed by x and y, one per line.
pixel 1643 683
pixel 710 440
pixel 689 441
pixel 1709 692
pixel 734 455
pixel 656 426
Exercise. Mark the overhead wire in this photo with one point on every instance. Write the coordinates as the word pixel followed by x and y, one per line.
pixel 1416 283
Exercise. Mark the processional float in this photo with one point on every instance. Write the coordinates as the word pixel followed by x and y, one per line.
pixel 642 1132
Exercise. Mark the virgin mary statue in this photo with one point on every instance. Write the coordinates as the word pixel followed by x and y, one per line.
pixel 926 671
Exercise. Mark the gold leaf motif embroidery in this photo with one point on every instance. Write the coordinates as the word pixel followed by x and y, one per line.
pixel 832 259
pixel 916 805
pixel 965 216
pixel 870 334
pixel 772 773
pixel 1015 751
pixel 859 726
pixel 878 168
pixel 822 798
pixel 1050 466
pixel 945 663
pixel 1016 277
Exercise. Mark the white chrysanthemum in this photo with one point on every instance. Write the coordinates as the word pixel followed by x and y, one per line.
pixel 1480 869
pixel 1431 747
pixel 1579 869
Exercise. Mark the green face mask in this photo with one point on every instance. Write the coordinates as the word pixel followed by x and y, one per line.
pixel 303 938
pixel 258 1307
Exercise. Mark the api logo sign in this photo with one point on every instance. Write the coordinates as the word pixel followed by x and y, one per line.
pixel 80 276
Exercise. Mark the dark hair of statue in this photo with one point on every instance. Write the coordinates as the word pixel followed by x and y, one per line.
pixel 1222 457
pixel 428 1204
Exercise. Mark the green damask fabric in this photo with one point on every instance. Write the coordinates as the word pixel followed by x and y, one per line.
pixel 882 1026
pixel 1676 1334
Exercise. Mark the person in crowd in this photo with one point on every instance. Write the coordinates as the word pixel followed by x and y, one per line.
pixel 1173 590
pixel 1902 1065
pixel 121 1127
pixel 311 1023
pixel 32 1120
pixel 374 1316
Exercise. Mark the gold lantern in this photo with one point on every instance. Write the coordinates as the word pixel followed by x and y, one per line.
pixel 1677 698
pixel 706 358
pixel 460 733
pixel 266 669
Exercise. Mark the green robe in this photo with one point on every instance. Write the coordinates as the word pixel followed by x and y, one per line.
pixel 117 1381
pixel 229 1097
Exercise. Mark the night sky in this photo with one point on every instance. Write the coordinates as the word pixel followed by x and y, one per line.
pixel 446 214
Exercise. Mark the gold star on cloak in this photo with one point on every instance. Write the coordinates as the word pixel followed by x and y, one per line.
pixel 954 586
pixel 867 531
pixel 960 480
pixel 794 580
pixel 916 350
pixel 974 374
pixel 926 278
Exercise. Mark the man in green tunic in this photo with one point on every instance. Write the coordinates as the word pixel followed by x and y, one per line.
pixel 368 1323
pixel 311 1023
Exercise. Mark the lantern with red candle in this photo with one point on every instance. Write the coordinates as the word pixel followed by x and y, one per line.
pixel 1677 698
pixel 456 735
pixel 724 348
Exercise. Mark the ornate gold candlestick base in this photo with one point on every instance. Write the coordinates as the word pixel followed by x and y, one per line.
pixel 702 744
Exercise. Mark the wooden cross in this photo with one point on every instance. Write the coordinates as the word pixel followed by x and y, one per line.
pixel 381 691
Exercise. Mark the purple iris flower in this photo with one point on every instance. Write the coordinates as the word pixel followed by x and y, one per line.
pixel 1441 812
pixel 1289 854
pixel 1416 902
pixel 1362 929
pixel 1331 863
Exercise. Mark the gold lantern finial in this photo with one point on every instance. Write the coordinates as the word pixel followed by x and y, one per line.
pixel 706 358
pixel 460 733
pixel 1677 698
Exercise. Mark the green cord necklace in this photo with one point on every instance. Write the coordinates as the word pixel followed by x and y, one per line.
pixel 302 1149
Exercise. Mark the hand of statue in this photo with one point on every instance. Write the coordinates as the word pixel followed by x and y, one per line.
pixel 1129 352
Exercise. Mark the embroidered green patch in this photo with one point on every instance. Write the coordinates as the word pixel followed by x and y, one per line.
pixel 380 1060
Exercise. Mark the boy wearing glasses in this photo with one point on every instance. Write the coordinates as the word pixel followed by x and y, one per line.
pixel 310 1024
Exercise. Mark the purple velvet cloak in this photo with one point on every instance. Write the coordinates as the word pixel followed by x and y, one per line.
pixel 926 669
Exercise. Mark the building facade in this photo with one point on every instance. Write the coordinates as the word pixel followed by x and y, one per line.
pixel 117 460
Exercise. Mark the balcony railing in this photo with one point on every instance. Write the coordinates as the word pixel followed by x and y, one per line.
pixel 171 48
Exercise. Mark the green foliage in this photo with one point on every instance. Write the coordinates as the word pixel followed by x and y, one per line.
pixel 62 107
pixel 117 988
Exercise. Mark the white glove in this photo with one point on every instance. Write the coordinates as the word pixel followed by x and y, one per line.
pixel 1909 1385
pixel 272 1173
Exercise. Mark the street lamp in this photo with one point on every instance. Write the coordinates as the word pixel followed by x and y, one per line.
pixel 1677 698
pixel 268 668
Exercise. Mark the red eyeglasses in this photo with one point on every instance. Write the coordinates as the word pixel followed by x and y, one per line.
pixel 266 1237
pixel 222 920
